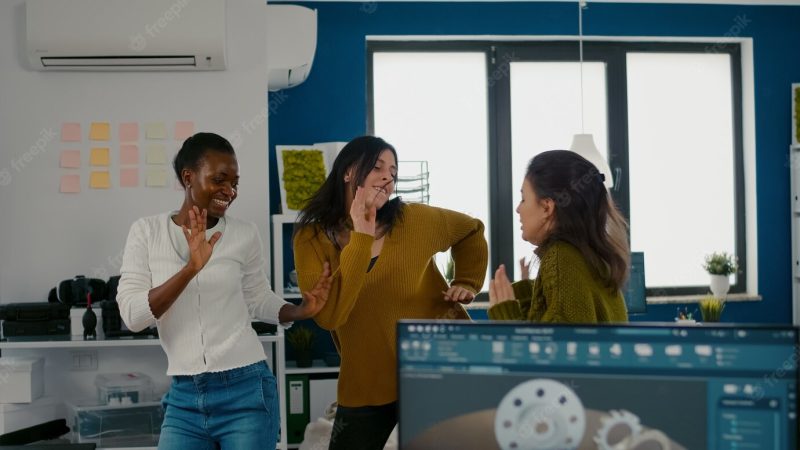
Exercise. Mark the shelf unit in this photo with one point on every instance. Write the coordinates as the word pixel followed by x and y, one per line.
pixel 794 175
pixel 319 369
pixel 278 365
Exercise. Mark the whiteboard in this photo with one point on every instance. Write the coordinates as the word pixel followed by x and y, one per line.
pixel 47 236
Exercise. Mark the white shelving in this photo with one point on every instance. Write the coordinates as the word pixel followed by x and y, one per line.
pixel 276 340
pixel 278 222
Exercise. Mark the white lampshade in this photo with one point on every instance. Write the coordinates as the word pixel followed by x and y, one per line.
pixel 583 144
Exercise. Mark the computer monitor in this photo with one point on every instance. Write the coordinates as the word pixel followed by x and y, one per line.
pixel 635 290
pixel 518 386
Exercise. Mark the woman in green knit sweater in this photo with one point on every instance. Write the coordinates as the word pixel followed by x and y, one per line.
pixel 582 246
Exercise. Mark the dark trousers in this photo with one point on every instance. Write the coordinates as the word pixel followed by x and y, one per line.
pixel 363 428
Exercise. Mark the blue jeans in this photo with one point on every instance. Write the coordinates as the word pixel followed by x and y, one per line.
pixel 235 409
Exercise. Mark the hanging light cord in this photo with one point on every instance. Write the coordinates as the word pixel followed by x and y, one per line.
pixel 581 4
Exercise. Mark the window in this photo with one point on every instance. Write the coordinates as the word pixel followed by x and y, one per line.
pixel 668 116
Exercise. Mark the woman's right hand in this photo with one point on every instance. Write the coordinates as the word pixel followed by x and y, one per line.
pixel 363 212
pixel 199 248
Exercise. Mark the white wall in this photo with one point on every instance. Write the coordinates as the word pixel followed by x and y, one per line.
pixel 46 236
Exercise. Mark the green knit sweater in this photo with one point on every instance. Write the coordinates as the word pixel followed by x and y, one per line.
pixel 566 290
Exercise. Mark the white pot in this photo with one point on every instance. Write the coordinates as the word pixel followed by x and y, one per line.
pixel 720 284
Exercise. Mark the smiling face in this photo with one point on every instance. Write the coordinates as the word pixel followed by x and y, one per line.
pixel 214 184
pixel 380 180
pixel 535 214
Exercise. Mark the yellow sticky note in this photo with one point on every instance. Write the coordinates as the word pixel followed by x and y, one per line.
pixel 100 180
pixel 156 154
pixel 100 131
pixel 99 157
pixel 156 177
pixel 156 130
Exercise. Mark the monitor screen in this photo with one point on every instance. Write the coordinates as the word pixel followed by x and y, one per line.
pixel 514 386
pixel 635 289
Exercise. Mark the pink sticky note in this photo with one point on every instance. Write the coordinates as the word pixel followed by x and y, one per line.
pixel 71 159
pixel 70 184
pixel 183 130
pixel 129 132
pixel 129 177
pixel 129 154
pixel 71 132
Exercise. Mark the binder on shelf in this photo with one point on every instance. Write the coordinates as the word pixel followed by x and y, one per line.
pixel 298 408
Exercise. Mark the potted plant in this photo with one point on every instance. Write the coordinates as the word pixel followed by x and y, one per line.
pixel 302 341
pixel 720 266
pixel 711 309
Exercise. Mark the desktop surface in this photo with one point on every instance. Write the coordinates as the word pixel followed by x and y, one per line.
pixel 503 386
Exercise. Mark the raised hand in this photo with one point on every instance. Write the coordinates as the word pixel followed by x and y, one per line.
pixel 525 268
pixel 500 289
pixel 315 299
pixel 363 211
pixel 199 248
pixel 458 294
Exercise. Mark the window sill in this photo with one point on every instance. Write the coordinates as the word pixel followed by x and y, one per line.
pixel 681 299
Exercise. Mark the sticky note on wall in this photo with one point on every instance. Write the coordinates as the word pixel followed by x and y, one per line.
pixel 156 130
pixel 128 154
pixel 156 154
pixel 129 177
pixel 156 177
pixel 70 159
pixel 99 157
pixel 183 130
pixel 70 184
pixel 100 180
pixel 129 132
pixel 100 131
pixel 71 132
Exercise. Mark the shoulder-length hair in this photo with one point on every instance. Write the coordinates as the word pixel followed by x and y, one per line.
pixel 327 207
pixel 585 214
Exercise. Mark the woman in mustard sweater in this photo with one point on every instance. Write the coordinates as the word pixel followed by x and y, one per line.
pixel 582 246
pixel 382 253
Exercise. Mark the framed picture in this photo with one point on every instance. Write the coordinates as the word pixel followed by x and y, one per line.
pixel 301 171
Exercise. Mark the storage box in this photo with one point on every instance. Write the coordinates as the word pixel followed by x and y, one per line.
pixel 16 416
pixel 123 388
pixel 137 425
pixel 21 379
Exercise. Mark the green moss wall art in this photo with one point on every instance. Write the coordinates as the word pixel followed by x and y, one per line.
pixel 302 171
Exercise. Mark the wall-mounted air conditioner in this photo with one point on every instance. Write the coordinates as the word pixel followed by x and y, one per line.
pixel 126 34
pixel 291 44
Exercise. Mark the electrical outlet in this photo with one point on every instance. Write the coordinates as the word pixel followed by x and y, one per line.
pixel 84 360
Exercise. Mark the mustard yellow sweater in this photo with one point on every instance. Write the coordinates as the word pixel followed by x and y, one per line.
pixel 363 307
pixel 566 290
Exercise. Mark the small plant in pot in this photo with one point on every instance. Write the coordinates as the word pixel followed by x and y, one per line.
pixel 711 309
pixel 302 341
pixel 720 266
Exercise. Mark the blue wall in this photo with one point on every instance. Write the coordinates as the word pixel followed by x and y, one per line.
pixel 331 104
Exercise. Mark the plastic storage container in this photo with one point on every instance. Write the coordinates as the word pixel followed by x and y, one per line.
pixel 123 388
pixel 22 379
pixel 137 425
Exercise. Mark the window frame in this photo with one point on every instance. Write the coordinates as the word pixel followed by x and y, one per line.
pixel 499 54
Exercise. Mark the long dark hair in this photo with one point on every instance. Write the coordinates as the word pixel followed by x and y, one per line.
pixel 327 207
pixel 586 215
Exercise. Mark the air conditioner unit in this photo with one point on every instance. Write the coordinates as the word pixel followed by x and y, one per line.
pixel 126 34
pixel 291 44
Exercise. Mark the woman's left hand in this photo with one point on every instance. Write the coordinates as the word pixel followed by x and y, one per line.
pixel 314 300
pixel 500 289
pixel 458 294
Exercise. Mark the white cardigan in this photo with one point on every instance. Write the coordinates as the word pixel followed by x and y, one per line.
pixel 208 328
